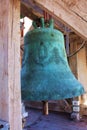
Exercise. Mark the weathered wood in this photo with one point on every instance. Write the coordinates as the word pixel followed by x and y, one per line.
pixel 72 48
pixel 26 10
pixel 33 11
pixel 79 7
pixel 82 66
pixel 10 97
pixel 69 16
pixel 82 73
pixel 78 64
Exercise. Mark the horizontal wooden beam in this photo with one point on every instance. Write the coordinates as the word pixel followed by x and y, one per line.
pixel 79 7
pixel 65 12
pixel 31 10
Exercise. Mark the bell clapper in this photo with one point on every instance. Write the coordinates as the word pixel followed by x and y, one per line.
pixel 45 108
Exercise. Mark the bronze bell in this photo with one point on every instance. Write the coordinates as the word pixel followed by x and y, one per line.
pixel 45 73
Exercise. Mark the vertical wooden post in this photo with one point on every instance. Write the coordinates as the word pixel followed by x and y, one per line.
pixel 78 64
pixel 82 66
pixel 82 71
pixel 10 96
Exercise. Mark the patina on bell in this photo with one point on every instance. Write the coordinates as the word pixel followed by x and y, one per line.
pixel 45 73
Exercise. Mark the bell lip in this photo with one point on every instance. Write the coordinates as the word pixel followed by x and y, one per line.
pixel 55 99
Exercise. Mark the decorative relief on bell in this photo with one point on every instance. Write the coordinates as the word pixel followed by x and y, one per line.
pixel 42 54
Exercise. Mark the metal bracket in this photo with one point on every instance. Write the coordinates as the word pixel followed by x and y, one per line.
pixel 4 125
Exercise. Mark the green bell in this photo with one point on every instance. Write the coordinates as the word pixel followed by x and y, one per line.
pixel 45 73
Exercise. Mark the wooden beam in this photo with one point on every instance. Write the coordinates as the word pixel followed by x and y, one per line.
pixel 27 10
pixel 10 96
pixel 82 70
pixel 79 7
pixel 74 20
pixel 31 10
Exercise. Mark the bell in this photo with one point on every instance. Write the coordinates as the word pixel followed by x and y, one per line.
pixel 45 73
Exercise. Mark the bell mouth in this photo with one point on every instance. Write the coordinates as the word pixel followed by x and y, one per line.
pixel 51 86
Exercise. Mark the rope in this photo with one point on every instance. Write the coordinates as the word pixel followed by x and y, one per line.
pixel 74 53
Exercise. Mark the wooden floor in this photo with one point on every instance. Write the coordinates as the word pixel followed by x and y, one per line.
pixel 54 121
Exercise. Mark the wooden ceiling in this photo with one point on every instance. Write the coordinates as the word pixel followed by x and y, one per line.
pixel 69 15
